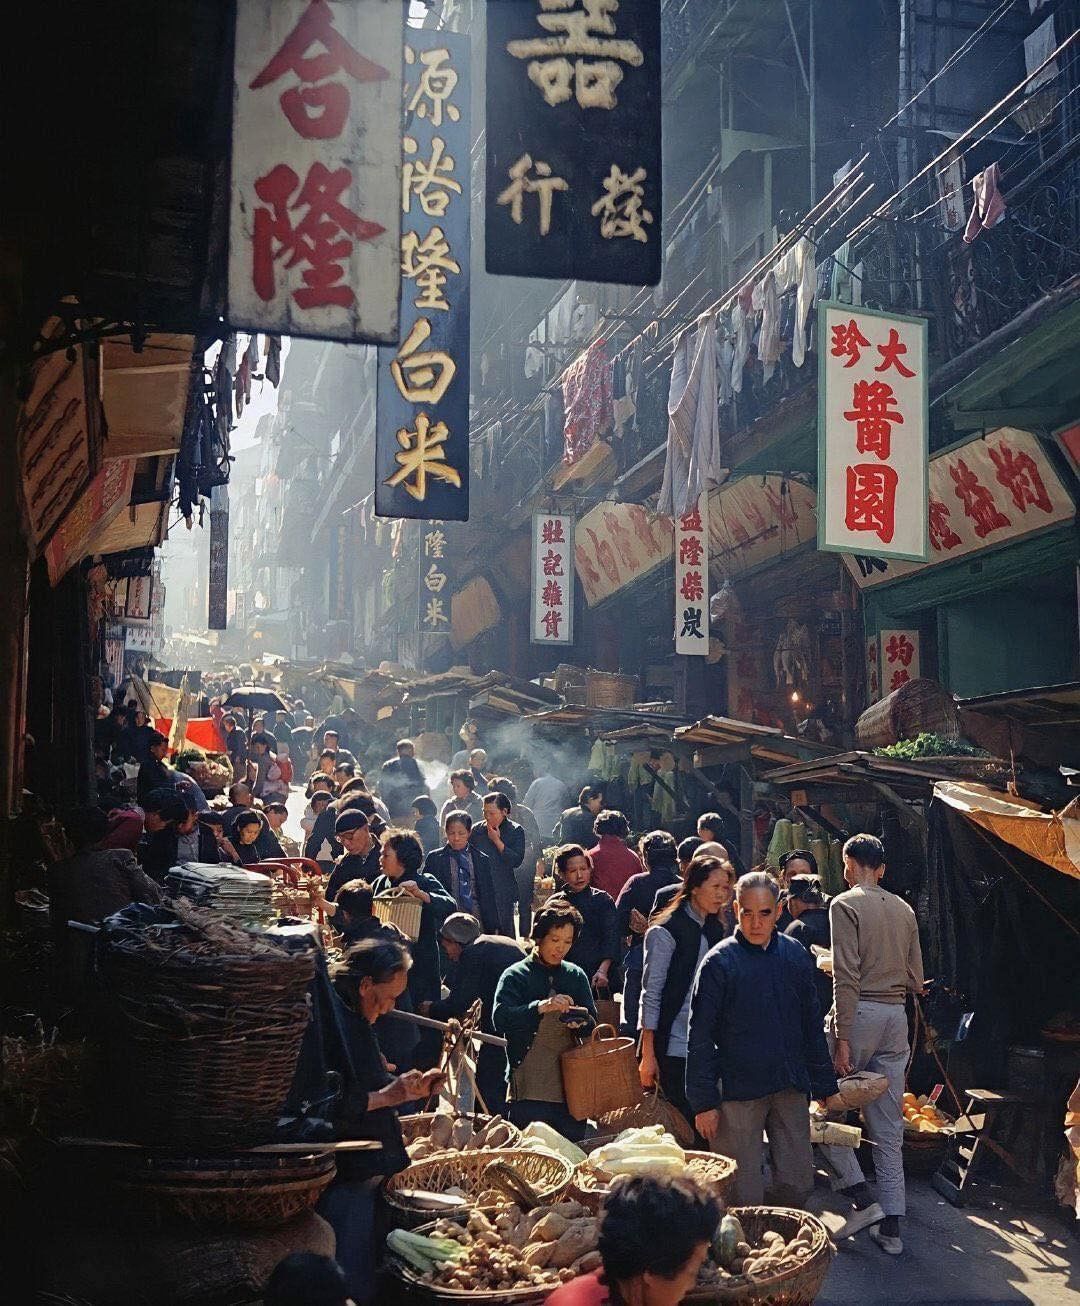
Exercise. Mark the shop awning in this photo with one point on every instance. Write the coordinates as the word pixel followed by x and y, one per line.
pixel 766 743
pixel 1050 837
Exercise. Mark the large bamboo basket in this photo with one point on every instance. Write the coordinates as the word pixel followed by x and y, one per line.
pixel 418 1290
pixel 796 1286
pixel 715 1171
pixel 547 1173
pixel 415 1127
pixel 601 1075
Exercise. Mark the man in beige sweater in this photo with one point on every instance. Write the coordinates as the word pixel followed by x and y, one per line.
pixel 877 962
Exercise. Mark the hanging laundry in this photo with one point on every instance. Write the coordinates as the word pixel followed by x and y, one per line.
pixel 587 401
pixel 623 407
pixel 767 302
pixel 1038 47
pixel 806 289
pixel 272 368
pixel 949 175
pixel 725 352
pixel 552 436
pixel 989 207
pixel 741 326
pixel 841 282
pixel 693 438
pixel 534 359
pixel 252 360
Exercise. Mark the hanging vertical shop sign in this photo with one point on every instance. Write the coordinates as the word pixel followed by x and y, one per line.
pixel 873 669
pixel 218 606
pixel 316 169
pixel 552 579
pixel 900 658
pixel 139 603
pixel 422 409
pixel 692 579
pixel 573 140
pixel 873 434
pixel 433 582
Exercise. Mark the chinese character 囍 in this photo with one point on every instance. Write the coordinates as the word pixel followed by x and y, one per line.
pixel 422 376
pixel 587 34
pixel 978 501
pixel 847 341
pixel 891 352
pixel 437 82
pixel 873 412
pixel 543 185
pixel 426 260
pixel 320 108
pixel 434 579
pixel 435 544
pixel 1019 473
pixel 691 627
pixel 321 239
pixel 620 207
pixel 431 181
pixel 422 455
pixel 435 613
pixel 871 500
pixel 552 531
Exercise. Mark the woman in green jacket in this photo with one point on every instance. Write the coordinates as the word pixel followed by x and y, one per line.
pixel 541 1005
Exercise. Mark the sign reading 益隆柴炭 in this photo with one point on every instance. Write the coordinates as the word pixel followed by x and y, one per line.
pixel 692 579
pixel 573 140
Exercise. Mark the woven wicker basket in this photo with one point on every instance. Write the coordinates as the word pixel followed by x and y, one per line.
pixel 418 1290
pixel 610 689
pixel 547 1173
pixel 653 1109
pixel 401 909
pixel 715 1171
pixel 418 1126
pixel 923 1153
pixel 797 1286
pixel 601 1075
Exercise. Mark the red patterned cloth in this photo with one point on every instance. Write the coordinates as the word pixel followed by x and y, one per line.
pixel 587 401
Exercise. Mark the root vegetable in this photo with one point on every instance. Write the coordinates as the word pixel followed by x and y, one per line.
pixel 539 1254
pixel 442 1127
pixel 550 1228
pixel 461 1131
pixel 587 1264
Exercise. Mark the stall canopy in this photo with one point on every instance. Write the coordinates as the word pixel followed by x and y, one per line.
pixel 1050 837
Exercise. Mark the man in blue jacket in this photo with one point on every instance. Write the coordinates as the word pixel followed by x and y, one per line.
pixel 756 1050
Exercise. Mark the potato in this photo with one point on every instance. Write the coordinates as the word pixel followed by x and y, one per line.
pixel 587 1264
pixel 539 1254
pixel 576 1241
pixel 551 1227
pixel 461 1131
pixel 441 1129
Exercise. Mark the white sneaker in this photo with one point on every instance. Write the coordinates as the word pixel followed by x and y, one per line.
pixel 859 1220
pixel 889 1244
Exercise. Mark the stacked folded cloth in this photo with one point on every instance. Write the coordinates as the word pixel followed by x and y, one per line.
pixel 231 890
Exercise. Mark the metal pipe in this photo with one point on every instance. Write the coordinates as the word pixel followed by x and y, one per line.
pixel 813 108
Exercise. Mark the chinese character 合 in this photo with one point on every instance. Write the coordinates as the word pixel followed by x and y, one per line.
pixel 551 596
pixel 434 579
pixel 435 613
pixel 422 455
pixel 619 208
pixel 692 587
pixel 691 521
pixel 552 563
pixel 900 649
pixel 1019 473
pixel 871 500
pixel 436 85
pixel 422 376
pixel 690 550
pixel 435 544
pixel 595 73
pixel 552 619
pixel 873 413
pixel 691 627
pixel 321 239
pixel 890 354
pixel 847 340
pixel 552 531
pixel 431 181
pixel 426 260
pixel 317 112
pixel 978 501
pixel 542 184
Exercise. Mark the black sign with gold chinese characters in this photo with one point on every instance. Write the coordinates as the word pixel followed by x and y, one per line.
pixel 422 423
pixel 435 577
pixel 573 140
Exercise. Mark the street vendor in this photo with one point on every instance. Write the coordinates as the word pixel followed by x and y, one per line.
pixel 541 1004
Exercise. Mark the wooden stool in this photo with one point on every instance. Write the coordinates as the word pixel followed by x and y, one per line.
pixel 992 1123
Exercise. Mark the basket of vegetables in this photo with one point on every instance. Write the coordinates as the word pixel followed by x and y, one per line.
pixel 443 1131
pixel 647 1151
pixel 468 1176
pixel 766 1254
pixel 507 1256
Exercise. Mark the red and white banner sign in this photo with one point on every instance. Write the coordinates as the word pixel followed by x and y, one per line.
pixel 552 579
pixel 900 658
pixel 998 488
pixel 692 579
pixel 873 669
pixel 315 226
pixel 615 543
pixel 873 433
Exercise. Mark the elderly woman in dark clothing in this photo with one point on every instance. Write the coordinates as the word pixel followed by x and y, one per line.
pixel 597 943
pixel 809 926
pixel 632 912
pixel 426 823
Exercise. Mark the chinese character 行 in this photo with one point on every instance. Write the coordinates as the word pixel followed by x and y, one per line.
pixel 890 354
pixel 873 413
pixel 900 649
pixel 942 535
pixel 521 184
pixel 596 72
pixel 435 613
pixel 551 595
pixel 435 544
pixel 691 627
pixel 321 239
pixel 426 260
pixel 552 531
pixel 431 182
pixel 436 85
pixel 552 563
pixel 690 550
pixel 846 342
pixel 1019 473
pixel 552 617
pixel 422 455
pixel 619 208
pixel 978 501
pixel 871 500
pixel 434 579
pixel 422 376
pixel 691 587
pixel 317 112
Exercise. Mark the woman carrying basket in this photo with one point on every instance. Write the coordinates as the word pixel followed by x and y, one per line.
pixel 541 1004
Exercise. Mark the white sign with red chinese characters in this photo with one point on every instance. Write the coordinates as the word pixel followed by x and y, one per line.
pixel 552 579
pixel 873 450
pixel 617 543
pixel 900 660
pixel 692 579
pixel 988 492
pixel 873 669
pixel 315 226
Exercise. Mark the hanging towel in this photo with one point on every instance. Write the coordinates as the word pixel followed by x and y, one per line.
pixel 740 323
pixel 693 440
pixel 768 302
pixel 725 353
pixel 587 401
pixel 989 207
pixel 272 370
pixel 806 283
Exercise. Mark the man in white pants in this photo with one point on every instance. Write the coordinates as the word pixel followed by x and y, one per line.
pixel 877 962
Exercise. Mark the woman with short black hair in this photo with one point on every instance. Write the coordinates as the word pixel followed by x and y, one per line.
pixel 426 823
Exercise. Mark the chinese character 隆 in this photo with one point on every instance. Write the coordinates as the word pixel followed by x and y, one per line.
pixel 422 455
pixel 690 550
pixel 318 110
pixel 431 181
pixel 588 35
pixel 620 207
pixel 543 184
pixel 322 239
pixel 871 500
pixel 426 260
pixel 874 416
pixel 422 376
pixel 436 85
pixel 435 544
